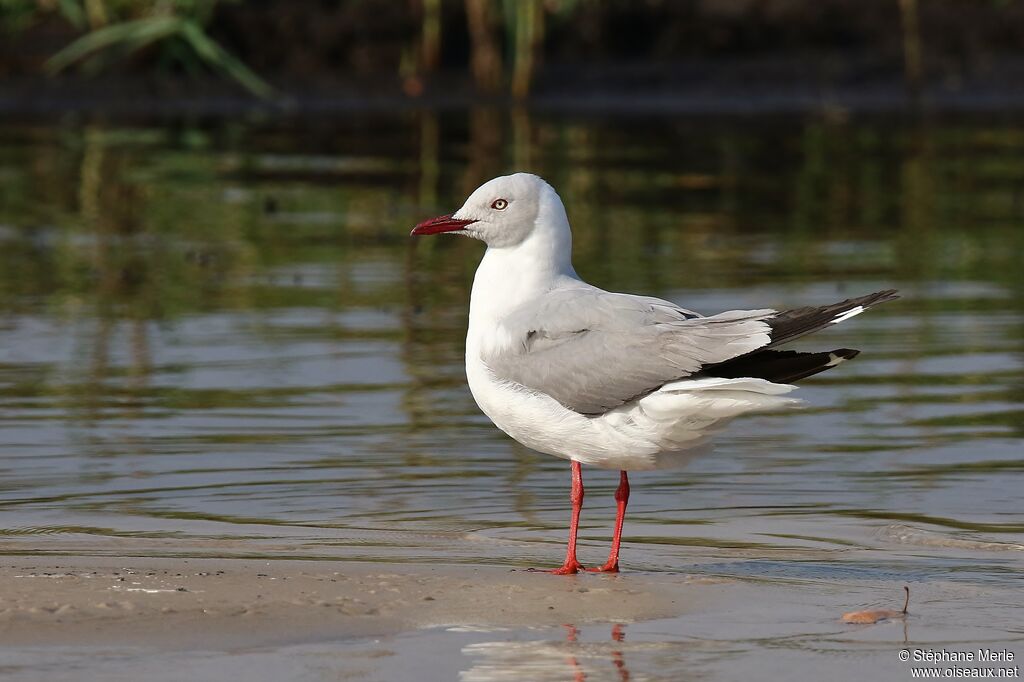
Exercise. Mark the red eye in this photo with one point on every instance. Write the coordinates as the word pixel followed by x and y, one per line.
pixel 499 205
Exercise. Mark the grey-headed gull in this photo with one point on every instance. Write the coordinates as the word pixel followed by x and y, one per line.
pixel 614 380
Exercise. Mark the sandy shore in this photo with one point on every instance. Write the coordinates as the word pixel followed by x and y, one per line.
pixel 188 603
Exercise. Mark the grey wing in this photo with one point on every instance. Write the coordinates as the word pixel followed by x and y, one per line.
pixel 592 350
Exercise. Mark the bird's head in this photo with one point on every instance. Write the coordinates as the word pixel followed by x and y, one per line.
pixel 504 212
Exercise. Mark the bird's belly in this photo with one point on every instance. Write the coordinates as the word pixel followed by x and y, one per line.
pixel 662 430
pixel 541 423
pixel 533 419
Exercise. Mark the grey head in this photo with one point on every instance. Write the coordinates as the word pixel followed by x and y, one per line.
pixel 504 212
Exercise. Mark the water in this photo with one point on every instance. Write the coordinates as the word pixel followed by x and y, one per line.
pixel 217 340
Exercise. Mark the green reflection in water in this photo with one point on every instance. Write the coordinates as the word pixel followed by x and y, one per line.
pixel 214 327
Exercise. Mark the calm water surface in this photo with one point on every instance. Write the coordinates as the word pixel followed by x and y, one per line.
pixel 218 340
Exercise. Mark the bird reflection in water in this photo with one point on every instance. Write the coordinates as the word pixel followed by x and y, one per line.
pixel 549 660
pixel 619 635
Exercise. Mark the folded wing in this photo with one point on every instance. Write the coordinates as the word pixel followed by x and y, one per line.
pixel 592 350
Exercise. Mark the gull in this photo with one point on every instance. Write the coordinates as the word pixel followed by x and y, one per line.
pixel 613 380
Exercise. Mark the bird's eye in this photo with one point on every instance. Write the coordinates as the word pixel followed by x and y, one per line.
pixel 499 205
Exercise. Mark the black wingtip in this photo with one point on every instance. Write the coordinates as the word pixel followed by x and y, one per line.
pixel 781 366
pixel 885 295
pixel 869 300
pixel 792 324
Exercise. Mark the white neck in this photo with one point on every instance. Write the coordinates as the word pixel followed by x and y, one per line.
pixel 510 276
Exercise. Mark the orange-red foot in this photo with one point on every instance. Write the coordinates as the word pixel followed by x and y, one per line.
pixel 607 568
pixel 568 568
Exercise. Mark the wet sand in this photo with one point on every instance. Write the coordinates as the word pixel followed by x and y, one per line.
pixel 218 603
pixel 77 618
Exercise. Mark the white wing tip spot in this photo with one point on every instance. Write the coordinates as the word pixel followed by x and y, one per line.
pixel 848 314
pixel 834 360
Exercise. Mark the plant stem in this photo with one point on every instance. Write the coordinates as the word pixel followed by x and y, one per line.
pixel 430 45
pixel 485 59
pixel 911 47
pixel 96 12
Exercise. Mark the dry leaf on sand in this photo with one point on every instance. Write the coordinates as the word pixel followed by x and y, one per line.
pixel 874 615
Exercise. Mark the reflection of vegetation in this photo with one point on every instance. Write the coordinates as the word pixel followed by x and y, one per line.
pixel 291 239
pixel 179 224
pixel 121 229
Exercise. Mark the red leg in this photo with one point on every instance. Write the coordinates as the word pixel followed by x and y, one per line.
pixel 621 499
pixel 570 565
